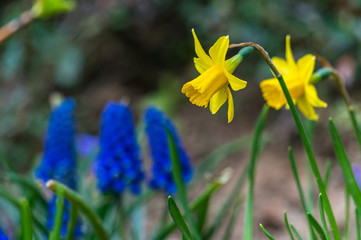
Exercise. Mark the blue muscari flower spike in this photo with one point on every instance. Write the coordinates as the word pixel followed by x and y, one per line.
pixel 118 164
pixel 2 235
pixel 156 124
pixel 59 159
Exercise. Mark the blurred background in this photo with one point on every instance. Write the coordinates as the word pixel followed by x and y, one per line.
pixel 141 51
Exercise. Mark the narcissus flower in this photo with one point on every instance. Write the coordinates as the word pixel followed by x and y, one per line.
pixel 297 77
pixel 216 74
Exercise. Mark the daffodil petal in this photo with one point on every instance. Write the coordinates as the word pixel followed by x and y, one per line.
pixel 235 82
pixel 306 65
pixel 281 65
pixel 289 54
pixel 218 99
pixel 219 50
pixel 230 106
pixel 203 57
pixel 307 110
pixel 312 97
pixel 272 93
pixel 200 65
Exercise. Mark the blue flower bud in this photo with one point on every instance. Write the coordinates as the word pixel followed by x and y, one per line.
pixel 155 126
pixel 118 164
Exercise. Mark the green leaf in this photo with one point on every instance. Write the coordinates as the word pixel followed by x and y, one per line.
pixel 248 219
pixel 322 216
pixel 288 225
pixel 225 209
pixel 181 190
pixel 74 212
pixel 178 218
pixel 300 190
pixel 308 148
pixel 28 184
pixel 200 200
pixel 233 219
pixel 26 220
pixel 58 218
pixel 358 231
pixel 202 215
pixel 316 226
pixel 345 165
pixel 83 207
pixel 327 173
pixel 220 153
pixel 270 237
pixel 298 235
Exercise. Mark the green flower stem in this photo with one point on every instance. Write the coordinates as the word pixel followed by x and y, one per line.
pixel 303 135
pixel 300 191
pixel 309 175
pixel 72 223
pixel 340 83
pixel 321 74
pixel 55 235
pixel 248 220
pixel 83 207
pixel 121 224
pixel 15 25
pixel 26 220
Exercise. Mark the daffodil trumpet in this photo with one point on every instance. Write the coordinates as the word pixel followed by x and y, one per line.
pixel 212 86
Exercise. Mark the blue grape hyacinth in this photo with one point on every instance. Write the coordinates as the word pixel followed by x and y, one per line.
pixel 59 159
pixel 118 164
pixel 156 124
pixel 2 235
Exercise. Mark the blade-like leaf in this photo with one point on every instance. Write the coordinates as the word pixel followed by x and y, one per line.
pixel 270 237
pixel 358 231
pixel 298 235
pixel 178 219
pixel 181 190
pixel 316 226
pixel 345 165
pixel 233 219
pixel 323 218
pixel 288 226
pixel 58 218
pixel 26 220
pixel 83 207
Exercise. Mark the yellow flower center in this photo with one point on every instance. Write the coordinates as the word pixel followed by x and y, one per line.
pixel 295 87
pixel 201 89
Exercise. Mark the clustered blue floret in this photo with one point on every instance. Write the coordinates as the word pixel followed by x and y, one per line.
pixel 156 124
pixel 2 235
pixel 59 159
pixel 119 165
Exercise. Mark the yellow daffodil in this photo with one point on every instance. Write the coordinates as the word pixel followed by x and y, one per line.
pixel 297 78
pixel 216 74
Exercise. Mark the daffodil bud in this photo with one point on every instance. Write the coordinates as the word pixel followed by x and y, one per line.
pixel 321 74
pixel 234 61
pixel 49 8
